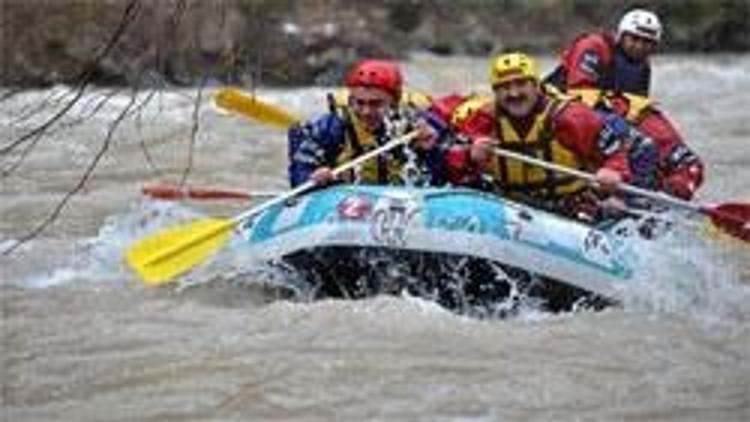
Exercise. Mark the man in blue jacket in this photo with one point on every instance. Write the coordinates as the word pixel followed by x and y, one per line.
pixel 371 116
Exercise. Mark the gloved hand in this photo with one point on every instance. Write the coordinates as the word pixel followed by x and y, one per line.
pixel 684 173
pixel 680 184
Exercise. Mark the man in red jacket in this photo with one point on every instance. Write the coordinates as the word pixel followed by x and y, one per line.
pixel 525 118
pixel 618 62
pixel 679 170
pixel 663 161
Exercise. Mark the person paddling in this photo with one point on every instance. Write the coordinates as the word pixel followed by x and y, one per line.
pixel 524 117
pixel 612 74
pixel 665 161
pixel 618 62
pixel 370 117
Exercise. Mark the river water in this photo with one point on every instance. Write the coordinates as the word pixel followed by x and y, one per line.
pixel 83 339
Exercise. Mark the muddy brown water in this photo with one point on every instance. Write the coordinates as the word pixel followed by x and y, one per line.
pixel 83 340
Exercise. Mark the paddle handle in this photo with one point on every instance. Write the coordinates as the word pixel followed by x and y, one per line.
pixel 401 140
pixel 624 187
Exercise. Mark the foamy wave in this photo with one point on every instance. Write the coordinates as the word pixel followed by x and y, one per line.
pixel 100 259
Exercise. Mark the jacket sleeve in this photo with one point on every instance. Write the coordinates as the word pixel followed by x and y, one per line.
pixel 434 158
pixel 479 124
pixel 460 169
pixel 443 107
pixel 312 145
pixel 586 61
pixel 680 168
pixel 588 134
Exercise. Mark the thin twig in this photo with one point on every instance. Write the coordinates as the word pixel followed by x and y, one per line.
pixel 12 92
pixel 53 98
pixel 139 128
pixel 34 135
pixel 81 182
pixel 102 102
pixel 193 132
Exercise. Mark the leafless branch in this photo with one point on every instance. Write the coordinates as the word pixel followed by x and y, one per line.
pixel 94 110
pixel 195 126
pixel 52 99
pixel 81 182
pixel 35 135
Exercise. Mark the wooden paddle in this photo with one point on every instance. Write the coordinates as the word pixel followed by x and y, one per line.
pixel 161 257
pixel 174 192
pixel 232 99
pixel 731 218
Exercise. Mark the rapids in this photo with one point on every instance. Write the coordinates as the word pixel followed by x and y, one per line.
pixel 82 339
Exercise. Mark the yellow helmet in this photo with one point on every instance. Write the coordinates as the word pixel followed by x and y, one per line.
pixel 512 66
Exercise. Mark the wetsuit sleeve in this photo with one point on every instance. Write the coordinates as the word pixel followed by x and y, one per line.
pixel 312 145
pixel 479 124
pixel 586 133
pixel 460 169
pixel 681 169
pixel 586 62
pixel 434 158
pixel 443 107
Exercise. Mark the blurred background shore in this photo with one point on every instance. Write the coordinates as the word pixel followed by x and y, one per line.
pixel 148 43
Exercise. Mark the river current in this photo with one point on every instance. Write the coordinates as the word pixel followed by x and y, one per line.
pixel 83 339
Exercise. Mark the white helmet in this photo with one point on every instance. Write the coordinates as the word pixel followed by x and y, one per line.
pixel 641 23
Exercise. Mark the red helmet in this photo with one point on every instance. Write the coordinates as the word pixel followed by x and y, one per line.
pixel 376 73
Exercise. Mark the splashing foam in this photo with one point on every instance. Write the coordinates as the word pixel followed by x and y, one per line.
pixel 100 258
pixel 682 272
pixel 688 272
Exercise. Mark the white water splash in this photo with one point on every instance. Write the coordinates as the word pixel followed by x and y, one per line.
pixel 100 258
pixel 688 272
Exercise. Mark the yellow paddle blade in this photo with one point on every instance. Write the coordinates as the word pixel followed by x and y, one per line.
pixel 163 256
pixel 233 99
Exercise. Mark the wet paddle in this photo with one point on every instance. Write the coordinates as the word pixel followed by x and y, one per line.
pixel 731 218
pixel 234 100
pixel 174 192
pixel 161 257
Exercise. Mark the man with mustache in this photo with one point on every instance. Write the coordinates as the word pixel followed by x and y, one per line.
pixel 525 118
pixel 371 116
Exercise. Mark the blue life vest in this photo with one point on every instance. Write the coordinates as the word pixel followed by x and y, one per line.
pixel 627 75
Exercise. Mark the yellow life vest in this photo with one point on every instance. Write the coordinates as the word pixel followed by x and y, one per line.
pixel 637 106
pixel 518 178
pixel 386 168
pixel 383 169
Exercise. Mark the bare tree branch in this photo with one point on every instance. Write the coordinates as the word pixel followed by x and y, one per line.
pixel 34 135
pixel 193 132
pixel 52 99
pixel 81 182
pixel 100 105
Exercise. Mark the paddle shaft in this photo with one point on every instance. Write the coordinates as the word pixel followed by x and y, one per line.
pixel 656 196
pixel 175 250
pixel 337 171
